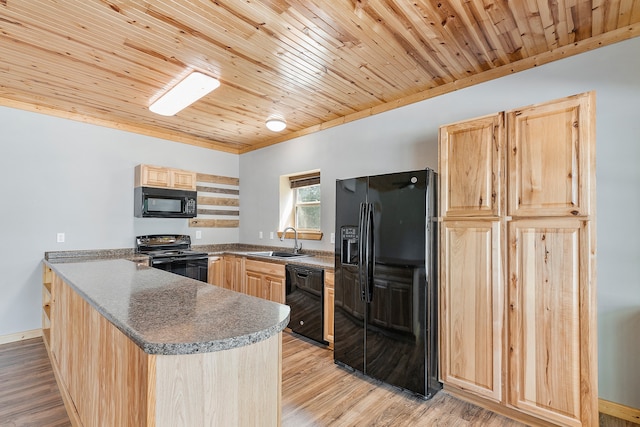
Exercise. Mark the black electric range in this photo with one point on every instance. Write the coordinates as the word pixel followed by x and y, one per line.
pixel 173 253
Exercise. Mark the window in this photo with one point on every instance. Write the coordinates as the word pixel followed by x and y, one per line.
pixel 307 214
pixel 300 204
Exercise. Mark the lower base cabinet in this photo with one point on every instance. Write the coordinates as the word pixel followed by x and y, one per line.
pixel 216 270
pixel 105 379
pixel 265 280
pixel 233 273
pixel 329 298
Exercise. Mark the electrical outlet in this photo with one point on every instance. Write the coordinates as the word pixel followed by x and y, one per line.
pixel 198 234
pixel 271 235
pixel 260 235
pixel 60 238
pixel 333 237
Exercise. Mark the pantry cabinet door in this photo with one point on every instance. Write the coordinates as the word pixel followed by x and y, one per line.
pixel 551 315
pixel 551 158
pixel 471 164
pixel 472 306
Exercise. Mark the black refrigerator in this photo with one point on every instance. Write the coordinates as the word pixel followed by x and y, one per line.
pixel 385 281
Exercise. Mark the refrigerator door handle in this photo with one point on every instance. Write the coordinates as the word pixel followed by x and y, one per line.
pixel 362 249
pixel 369 255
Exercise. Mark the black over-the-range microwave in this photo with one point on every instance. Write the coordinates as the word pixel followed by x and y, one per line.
pixel 150 202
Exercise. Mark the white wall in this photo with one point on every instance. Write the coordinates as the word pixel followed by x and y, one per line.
pixel 406 139
pixel 59 175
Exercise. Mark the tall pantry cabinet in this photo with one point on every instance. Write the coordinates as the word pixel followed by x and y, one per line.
pixel 517 261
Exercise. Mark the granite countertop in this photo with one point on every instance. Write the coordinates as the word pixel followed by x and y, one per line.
pixel 323 262
pixel 164 313
pixel 317 259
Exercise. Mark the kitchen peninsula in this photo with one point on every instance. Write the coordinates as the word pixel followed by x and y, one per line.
pixel 133 345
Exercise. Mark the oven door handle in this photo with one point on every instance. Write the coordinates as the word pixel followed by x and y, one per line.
pixel 163 261
pixel 171 260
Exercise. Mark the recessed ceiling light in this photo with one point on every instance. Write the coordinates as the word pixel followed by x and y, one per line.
pixel 276 125
pixel 193 87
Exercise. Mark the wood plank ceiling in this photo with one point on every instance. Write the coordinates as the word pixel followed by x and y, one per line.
pixel 314 63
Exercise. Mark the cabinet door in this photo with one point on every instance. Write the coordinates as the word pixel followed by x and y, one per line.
pixel 233 275
pixel 471 164
pixel 275 287
pixel 154 176
pixel 183 179
pixel 229 278
pixel 215 274
pixel 471 303
pixel 551 157
pixel 254 284
pixel 329 297
pixel 552 320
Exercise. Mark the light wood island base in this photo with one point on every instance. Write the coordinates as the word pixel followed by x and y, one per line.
pixel 106 379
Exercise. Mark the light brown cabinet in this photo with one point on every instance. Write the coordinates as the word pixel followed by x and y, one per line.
pixel 107 380
pixel 551 343
pixel 162 177
pixel 471 165
pixel 551 159
pixel 329 295
pixel 517 297
pixel 233 273
pixel 47 304
pixel 265 280
pixel 472 309
pixel 215 273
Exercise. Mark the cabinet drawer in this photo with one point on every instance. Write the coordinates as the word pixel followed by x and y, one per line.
pixel 261 267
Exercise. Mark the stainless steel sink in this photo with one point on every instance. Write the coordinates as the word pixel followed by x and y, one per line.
pixel 277 254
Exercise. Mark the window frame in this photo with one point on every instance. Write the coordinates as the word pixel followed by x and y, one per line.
pixel 298 204
pixel 288 199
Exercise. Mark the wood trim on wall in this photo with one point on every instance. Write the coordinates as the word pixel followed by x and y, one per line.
pixel 302 235
pixel 214 211
pixel 20 336
pixel 619 411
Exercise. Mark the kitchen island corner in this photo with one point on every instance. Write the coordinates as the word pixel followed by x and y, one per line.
pixel 133 345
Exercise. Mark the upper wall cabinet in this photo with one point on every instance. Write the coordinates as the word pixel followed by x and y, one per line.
pixel 161 177
pixel 471 162
pixel 549 158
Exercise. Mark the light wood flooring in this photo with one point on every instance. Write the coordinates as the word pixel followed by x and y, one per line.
pixel 315 392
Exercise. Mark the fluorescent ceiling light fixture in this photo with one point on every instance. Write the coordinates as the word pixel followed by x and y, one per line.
pixel 276 125
pixel 193 87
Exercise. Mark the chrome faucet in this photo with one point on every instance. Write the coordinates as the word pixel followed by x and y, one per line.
pixel 296 247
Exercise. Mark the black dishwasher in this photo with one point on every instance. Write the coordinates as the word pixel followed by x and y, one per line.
pixel 305 296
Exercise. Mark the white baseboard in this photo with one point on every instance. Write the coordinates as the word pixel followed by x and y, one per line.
pixel 19 336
